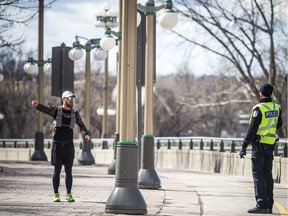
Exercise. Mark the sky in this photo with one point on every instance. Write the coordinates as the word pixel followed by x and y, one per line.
pixel 68 18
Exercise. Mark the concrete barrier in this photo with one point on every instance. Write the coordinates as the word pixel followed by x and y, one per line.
pixel 216 162
pixel 196 160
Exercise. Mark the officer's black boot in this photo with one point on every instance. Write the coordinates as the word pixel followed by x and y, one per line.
pixel 257 210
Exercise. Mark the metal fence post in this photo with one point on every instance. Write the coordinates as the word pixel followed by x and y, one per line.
pixel 158 144
pixel 169 144
pixel 285 150
pixel 201 144
pixel 191 144
pixel 211 146
pixel 180 144
pixel 221 146
pixel 232 147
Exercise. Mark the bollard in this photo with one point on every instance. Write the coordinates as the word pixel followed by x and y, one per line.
pixel 126 197
pixel 169 144
pixel 211 146
pixel 201 144
pixel 112 166
pixel 285 150
pixel 232 147
pixel 147 175
pixel 191 145
pixel 221 146
pixel 180 144
pixel 158 144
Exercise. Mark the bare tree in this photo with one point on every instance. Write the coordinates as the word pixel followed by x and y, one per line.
pixel 252 44
pixel 14 13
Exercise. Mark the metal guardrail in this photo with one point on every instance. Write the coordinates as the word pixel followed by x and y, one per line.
pixel 192 143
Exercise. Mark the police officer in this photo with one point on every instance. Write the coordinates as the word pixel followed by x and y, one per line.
pixel 62 152
pixel 264 121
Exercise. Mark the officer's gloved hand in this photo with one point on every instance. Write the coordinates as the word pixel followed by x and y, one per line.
pixel 242 152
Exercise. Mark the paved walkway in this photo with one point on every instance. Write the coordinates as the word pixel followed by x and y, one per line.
pixel 26 189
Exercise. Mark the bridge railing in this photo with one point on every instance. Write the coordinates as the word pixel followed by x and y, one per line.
pixel 220 144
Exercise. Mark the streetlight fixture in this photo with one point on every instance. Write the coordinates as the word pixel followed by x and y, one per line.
pixel 106 18
pixel 86 157
pixel 126 198
pixel 39 154
pixel 147 175
pixel 31 67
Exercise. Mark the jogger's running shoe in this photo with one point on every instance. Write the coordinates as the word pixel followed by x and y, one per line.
pixel 70 198
pixel 56 197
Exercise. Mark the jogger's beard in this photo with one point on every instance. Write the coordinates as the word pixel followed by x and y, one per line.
pixel 70 105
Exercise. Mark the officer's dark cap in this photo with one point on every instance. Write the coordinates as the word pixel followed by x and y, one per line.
pixel 266 89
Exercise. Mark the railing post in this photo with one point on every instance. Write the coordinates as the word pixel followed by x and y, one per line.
pixel 15 144
pixel 49 145
pixel 211 146
pixel 4 144
pixel 221 146
pixel 276 149
pixel 232 147
pixel 92 144
pixel 285 150
pixel 158 144
pixel 191 144
pixel 169 144
pixel 81 144
pixel 201 144
pixel 26 144
pixel 180 144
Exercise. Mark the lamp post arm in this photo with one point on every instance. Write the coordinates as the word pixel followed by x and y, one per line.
pixel 40 63
pixel 150 9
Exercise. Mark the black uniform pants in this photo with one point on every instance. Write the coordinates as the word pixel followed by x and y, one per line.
pixel 262 163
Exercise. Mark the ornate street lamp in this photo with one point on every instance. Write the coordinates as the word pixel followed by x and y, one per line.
pixel 39 154
pixel 106 18
pixel 147 176
pixel 85 156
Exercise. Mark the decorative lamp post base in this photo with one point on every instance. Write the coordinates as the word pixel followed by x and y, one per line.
pixel 112 166
pixel 104 142
pixel 147 175
pixel 85 155
pixel 126 200
pixel 39 154
pixel 148 179
pixel 126 197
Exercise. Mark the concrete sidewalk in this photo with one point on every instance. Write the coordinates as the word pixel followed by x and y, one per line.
pixel 26 189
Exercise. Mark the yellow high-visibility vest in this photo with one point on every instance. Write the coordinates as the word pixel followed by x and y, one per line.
pixel 268 126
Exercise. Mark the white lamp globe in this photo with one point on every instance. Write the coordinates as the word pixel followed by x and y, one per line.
pixel 100 54
pixel 75 54
pixel 168 19
pixel 107 42
pixel 110 24
pixel 30 68
pixel 98 23
pixel 138 18
pixel 106 6
pixel 48 67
